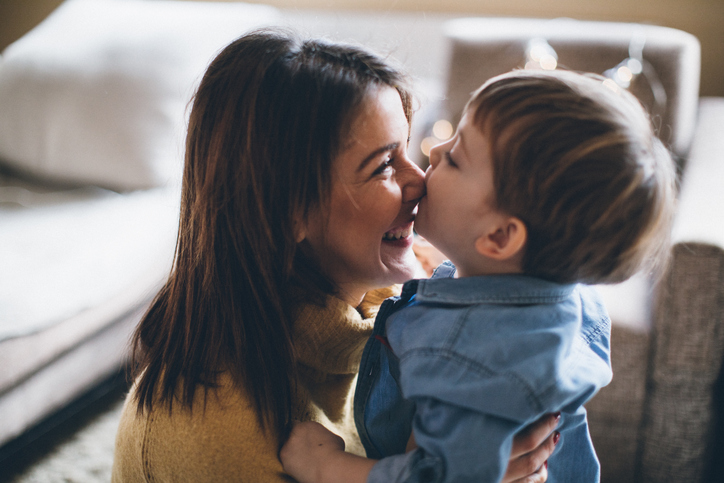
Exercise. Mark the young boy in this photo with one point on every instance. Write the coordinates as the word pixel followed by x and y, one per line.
pixel 552 181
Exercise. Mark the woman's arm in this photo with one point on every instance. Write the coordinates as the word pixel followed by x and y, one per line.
pixel 531 448
pixel 315 455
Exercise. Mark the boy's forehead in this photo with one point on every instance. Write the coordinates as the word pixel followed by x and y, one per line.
pixel 482 118
pixel 473 141
pixel 472 126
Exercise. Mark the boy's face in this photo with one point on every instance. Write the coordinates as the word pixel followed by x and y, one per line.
pixel 460 200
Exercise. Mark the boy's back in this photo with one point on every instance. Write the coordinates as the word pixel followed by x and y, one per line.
pixel 478 359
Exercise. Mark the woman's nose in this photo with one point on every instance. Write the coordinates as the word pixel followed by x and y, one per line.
pixel 412 182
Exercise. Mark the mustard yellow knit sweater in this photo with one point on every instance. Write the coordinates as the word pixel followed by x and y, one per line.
pixel 221 440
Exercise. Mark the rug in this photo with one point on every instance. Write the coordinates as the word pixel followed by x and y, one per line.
pixel 82 454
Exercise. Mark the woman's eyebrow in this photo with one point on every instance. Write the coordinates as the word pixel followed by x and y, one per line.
pixel 375 153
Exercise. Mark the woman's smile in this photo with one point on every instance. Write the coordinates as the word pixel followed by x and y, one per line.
pixel 363 239
pixel 401 234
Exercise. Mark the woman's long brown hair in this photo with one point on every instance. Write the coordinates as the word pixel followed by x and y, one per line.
pixel 266 123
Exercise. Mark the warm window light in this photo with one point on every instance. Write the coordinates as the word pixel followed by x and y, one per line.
pixel 624 74
pixel 635 66
pixel 627 70
pixel 427 144
pixel 540 55
pixel 611 85
pixel 548 62
pixel 442 129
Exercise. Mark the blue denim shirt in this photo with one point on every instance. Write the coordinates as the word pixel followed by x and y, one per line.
pixel 467 363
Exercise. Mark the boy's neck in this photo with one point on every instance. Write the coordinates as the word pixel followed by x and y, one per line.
pixel 485 266
pixel 463 274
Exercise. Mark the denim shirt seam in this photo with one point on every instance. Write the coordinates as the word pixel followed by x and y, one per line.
pixel 457 327
pixel 479 368
pixel 530 298
pixel 601 324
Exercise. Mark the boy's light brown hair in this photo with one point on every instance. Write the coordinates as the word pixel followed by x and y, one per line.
pixel 577 160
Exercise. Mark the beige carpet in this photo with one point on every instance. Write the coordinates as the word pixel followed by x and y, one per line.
pixel 79 452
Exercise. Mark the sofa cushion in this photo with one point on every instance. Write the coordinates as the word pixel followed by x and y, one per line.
pixel 97 93
pixel 668 85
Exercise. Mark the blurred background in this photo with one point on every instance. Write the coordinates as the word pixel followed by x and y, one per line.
pixel 702 18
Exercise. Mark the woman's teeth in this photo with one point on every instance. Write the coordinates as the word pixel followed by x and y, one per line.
pixel 397 234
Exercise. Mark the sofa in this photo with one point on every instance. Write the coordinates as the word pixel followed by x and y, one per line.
pixel 661 419
pixel 93 104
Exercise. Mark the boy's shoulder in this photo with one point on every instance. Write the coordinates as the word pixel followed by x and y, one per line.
pixel 516 289
pixel 472 314
pixel 438 302
pixel 525 340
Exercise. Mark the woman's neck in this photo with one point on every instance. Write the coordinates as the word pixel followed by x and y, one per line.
pixel 352 294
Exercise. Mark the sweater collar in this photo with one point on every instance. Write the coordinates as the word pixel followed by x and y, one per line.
pixel 330 339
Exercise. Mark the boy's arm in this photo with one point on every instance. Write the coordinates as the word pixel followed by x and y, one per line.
pixel 454 444
pixel 313 454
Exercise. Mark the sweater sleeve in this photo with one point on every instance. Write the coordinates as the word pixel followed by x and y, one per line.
pixel 219 440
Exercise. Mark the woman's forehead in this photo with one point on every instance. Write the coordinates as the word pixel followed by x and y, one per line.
pixel 380 125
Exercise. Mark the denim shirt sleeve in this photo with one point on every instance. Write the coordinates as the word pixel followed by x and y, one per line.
pixel 454 445
pixel 468 408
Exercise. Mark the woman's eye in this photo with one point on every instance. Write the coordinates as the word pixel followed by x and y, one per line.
pixel 383 167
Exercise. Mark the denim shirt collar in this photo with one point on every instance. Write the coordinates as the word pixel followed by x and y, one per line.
pixel 488 289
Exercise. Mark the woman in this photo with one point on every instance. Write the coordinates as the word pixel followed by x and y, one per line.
pixel 297 206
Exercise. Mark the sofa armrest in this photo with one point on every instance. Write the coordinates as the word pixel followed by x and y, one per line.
pixel 700 218
pixel 658 418
pixel 481 48
pixel 680 412
pixel 616 413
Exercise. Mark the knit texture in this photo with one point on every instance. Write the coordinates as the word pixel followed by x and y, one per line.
pixel 220 439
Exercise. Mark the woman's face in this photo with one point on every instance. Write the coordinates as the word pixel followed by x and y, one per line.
pixel 363 239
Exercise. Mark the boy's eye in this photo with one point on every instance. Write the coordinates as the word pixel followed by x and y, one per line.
pixel 450 160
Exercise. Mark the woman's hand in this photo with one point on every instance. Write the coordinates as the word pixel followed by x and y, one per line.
pixel 531 449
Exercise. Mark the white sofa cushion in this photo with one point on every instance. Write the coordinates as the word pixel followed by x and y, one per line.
pixel 97 93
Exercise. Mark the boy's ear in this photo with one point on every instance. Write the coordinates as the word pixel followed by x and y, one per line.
pixel 504 240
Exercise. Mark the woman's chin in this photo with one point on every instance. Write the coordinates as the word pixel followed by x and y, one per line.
pixel 399 260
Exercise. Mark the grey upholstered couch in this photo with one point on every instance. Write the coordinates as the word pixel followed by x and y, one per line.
pixel 92 110
pixel 661 418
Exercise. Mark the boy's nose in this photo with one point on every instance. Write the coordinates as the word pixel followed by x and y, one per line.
pixel 435 155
